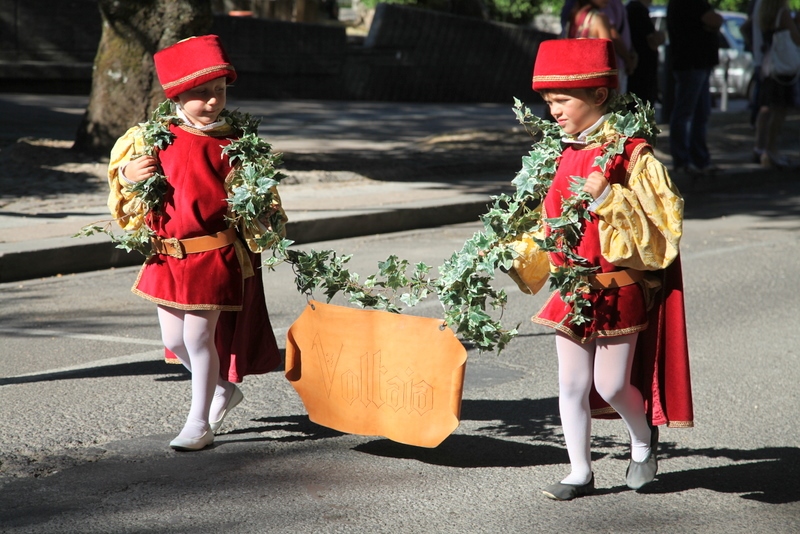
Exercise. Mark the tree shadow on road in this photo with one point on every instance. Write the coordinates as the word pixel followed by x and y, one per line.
pixel 299 427
pixel 471 452
pixel 170 373
pixel 163 372
pixel 443 157
pixel 767 475
pixel 524 418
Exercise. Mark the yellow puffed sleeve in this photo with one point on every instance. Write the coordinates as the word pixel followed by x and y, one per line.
pixel 531 267
pixel 275 222
pixel 125 207
pixel 641 222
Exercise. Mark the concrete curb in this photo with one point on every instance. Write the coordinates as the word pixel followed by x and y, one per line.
pixel 66 255
pixel 72 255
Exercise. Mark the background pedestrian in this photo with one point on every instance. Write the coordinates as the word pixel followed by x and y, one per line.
pixel 693 28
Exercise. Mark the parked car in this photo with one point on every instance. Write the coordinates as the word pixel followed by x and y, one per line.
pixel 735 69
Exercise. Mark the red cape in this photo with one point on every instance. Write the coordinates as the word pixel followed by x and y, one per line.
pixel 661 364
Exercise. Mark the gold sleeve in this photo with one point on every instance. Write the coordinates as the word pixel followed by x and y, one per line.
pixel 275 222
pixel 125 207
pixel 641 223
pixel 531 266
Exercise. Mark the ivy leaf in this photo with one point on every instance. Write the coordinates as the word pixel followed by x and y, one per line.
pixel 151 191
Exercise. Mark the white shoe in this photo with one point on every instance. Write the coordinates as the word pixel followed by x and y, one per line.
pixel 193 444
pixel 236 398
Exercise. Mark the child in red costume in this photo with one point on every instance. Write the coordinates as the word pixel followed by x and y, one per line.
pixel 629 360
pixel 206 282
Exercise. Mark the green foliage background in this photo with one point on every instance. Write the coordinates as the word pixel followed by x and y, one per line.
pixel 523 11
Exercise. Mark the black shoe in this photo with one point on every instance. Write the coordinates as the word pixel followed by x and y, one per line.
pixel 567 492
pixel 641 473
pixel 709 170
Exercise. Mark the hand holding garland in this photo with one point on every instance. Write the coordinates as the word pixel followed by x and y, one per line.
pixel 155 135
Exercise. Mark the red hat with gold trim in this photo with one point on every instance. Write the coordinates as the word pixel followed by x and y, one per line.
pixel 575 63
pixel 192 62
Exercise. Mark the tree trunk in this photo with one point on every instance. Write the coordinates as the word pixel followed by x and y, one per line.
pixel 125 88
pixel 306 10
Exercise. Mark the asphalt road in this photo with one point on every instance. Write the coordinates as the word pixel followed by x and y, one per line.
pixel 88 410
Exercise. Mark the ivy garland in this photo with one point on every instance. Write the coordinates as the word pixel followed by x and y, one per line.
pixel 464 283
pixel 628 117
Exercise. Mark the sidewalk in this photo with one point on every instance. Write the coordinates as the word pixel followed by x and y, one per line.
pixel 353 169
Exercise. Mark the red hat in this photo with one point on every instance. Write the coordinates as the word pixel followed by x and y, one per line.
pixel 575 63
pixel 192 62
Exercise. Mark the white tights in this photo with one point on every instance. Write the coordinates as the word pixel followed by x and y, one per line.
pixel 607 362
pixel 190 336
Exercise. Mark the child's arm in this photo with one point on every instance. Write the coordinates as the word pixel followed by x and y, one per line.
pixel 124 205
pixel 641 222
pixel 601 26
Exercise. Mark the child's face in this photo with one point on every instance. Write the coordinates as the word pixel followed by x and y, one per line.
pixel 575 109
pixel 203 104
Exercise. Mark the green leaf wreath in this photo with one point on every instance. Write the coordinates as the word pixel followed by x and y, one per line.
pixel 464 283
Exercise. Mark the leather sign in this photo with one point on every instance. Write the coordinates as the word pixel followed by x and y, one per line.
pixel 374 373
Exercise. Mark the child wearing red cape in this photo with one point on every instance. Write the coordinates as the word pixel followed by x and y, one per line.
pixel 203 271
pixel 630 360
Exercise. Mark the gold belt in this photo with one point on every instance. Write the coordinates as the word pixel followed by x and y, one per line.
pixel 179 248
pixel 615 279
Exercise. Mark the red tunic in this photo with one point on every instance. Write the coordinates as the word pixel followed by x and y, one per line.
pixel 618 311
pixel 194 205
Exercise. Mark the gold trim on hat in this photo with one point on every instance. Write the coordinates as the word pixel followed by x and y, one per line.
pixel 201 72
pixel 574 77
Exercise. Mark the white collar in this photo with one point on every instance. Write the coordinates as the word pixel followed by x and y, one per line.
pixel 202 127
pixel 581 138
